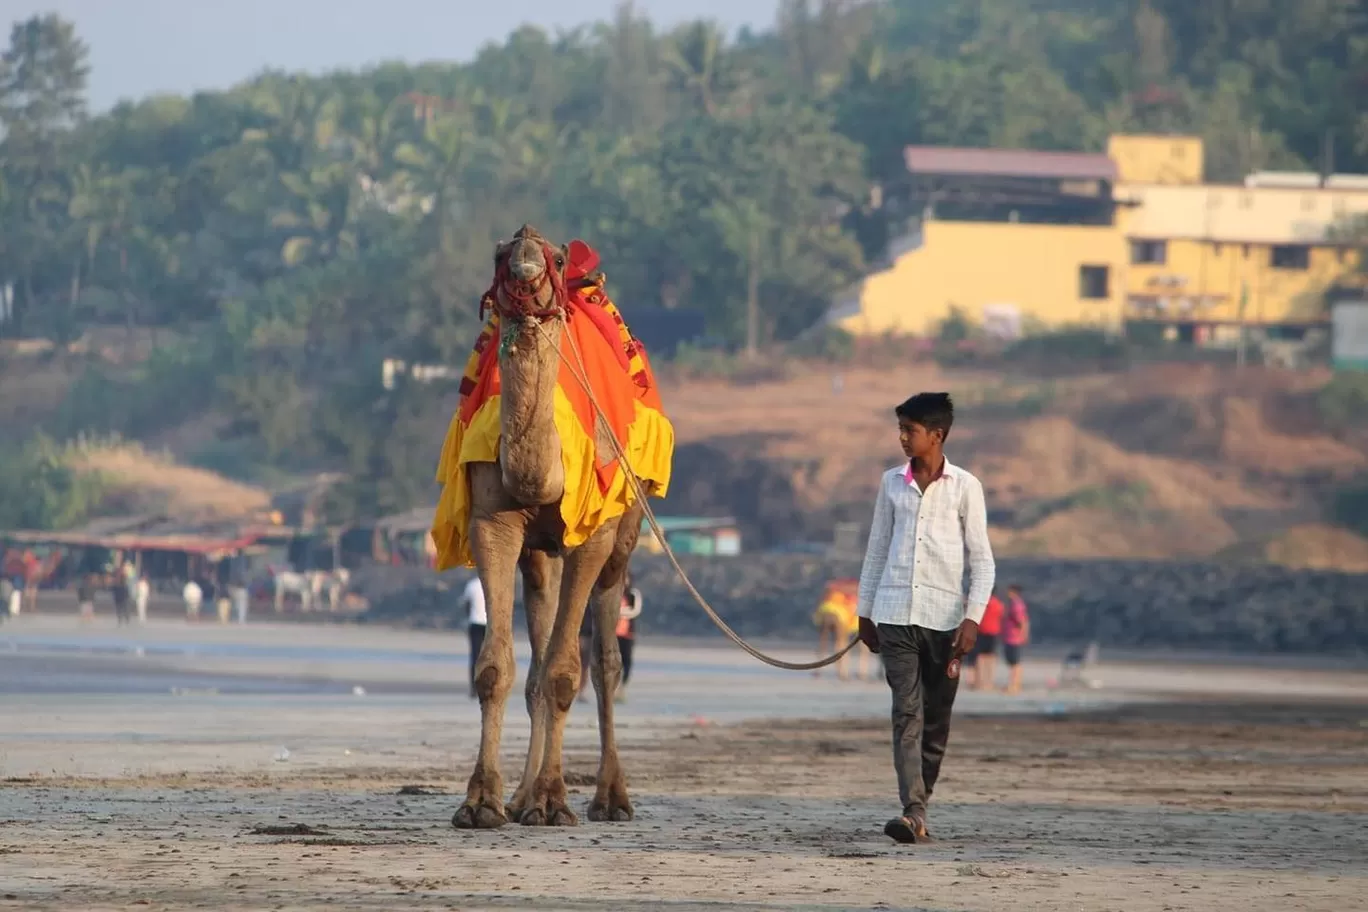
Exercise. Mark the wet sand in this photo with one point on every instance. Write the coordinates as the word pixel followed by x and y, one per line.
pixel 239 769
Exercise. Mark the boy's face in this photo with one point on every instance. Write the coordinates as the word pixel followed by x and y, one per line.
pixel 916 440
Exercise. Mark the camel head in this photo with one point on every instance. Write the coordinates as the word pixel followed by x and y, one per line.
pixel 529 280
pixel 529 296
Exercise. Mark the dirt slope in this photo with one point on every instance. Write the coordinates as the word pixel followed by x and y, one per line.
pixel 1165 461
pixel 146 482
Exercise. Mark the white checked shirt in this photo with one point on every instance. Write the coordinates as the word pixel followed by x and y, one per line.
pixel 914 565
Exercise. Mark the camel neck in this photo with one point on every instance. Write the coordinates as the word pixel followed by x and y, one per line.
pixel 529 446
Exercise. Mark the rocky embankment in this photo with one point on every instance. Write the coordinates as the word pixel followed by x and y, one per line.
pixel 1218 607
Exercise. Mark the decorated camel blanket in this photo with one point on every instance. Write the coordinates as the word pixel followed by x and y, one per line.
pixel 596 488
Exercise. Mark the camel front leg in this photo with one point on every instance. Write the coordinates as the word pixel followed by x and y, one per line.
pixel 496 541
pixel 541 575
pixel 560 680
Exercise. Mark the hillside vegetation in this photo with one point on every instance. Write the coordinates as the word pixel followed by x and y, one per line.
pixel 221 275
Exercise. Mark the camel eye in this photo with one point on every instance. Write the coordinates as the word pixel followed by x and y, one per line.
pixel 560 261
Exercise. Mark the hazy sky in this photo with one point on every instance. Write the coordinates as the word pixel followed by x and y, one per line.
pixel 138 47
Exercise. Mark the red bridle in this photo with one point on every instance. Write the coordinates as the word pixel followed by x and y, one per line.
pixel 521 296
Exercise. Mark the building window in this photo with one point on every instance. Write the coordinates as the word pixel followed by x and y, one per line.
pixel 1291 256
pixel 1154 253
pixel 1094 282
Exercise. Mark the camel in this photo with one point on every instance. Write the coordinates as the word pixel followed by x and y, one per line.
pixel 516 526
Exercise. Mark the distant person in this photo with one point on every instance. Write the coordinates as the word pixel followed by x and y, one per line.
pixel 142 593
pixel 473 597
pixel 836 621
pixel 194 597
pixel 85 597
pixel 983 660
pixel 1016 633
pixel 929 522
pixel 16 596
pixel 241 599
pixel 6 590
pixel 118 589
pixel 626 632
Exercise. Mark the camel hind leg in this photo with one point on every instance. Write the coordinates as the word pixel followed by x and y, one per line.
pixel 561 674
pixel 610 801
pixel 541 575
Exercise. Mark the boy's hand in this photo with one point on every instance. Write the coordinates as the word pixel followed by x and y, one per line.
pixel 965 637
pixel 869 634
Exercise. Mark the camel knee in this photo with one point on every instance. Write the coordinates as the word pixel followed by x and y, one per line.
pixel 562 688
pixel 493 682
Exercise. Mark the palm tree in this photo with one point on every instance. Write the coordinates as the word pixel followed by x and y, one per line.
pixel 694 54
pixel 319 216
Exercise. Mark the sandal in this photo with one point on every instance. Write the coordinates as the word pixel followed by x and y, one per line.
pixel 901 830
pixel 908 830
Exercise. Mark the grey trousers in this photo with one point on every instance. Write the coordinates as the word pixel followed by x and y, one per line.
pixel 915 660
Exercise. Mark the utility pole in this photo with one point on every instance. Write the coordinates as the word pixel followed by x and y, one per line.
pixel 1240 348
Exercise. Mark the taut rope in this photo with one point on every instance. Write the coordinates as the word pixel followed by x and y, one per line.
pixel 581 374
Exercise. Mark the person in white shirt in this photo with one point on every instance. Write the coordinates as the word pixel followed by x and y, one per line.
pixel 632 604
pixel 142 591
pixel 473 597
pixel 194 597
pixel 929 517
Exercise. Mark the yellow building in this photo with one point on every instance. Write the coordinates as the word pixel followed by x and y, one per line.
pixel 999 274
pixel 1212 255
pixel 1015 239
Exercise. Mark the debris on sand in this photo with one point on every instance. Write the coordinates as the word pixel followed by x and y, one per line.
pixel 421 790
pixel 292 829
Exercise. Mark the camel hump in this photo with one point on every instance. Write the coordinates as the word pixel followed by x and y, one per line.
pixel 527 231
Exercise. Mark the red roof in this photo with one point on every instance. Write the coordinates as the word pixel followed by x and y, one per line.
pixel 191 543
pixel 1009 163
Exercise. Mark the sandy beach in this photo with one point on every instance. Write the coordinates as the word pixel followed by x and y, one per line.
pixel 261 767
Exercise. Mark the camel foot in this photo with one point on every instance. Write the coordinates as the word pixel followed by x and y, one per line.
pixel 483 808
pixel 478 817
pixel 518 803
pixel 611 804
pixel 548 807
pixel 553 815
pixel 614 810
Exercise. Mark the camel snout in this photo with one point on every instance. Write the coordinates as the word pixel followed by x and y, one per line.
pixel 528 271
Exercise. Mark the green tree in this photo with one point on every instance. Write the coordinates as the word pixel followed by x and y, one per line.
pixel 42 97
pixel 39 489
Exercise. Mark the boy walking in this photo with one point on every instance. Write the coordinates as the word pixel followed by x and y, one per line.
pixel 929 517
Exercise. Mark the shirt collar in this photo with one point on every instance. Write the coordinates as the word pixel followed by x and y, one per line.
pixel 949 470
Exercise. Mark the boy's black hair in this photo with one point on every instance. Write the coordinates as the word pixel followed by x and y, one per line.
pixel 933 411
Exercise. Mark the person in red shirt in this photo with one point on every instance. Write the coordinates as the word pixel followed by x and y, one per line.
pixel 983 660
pixel 1016 633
